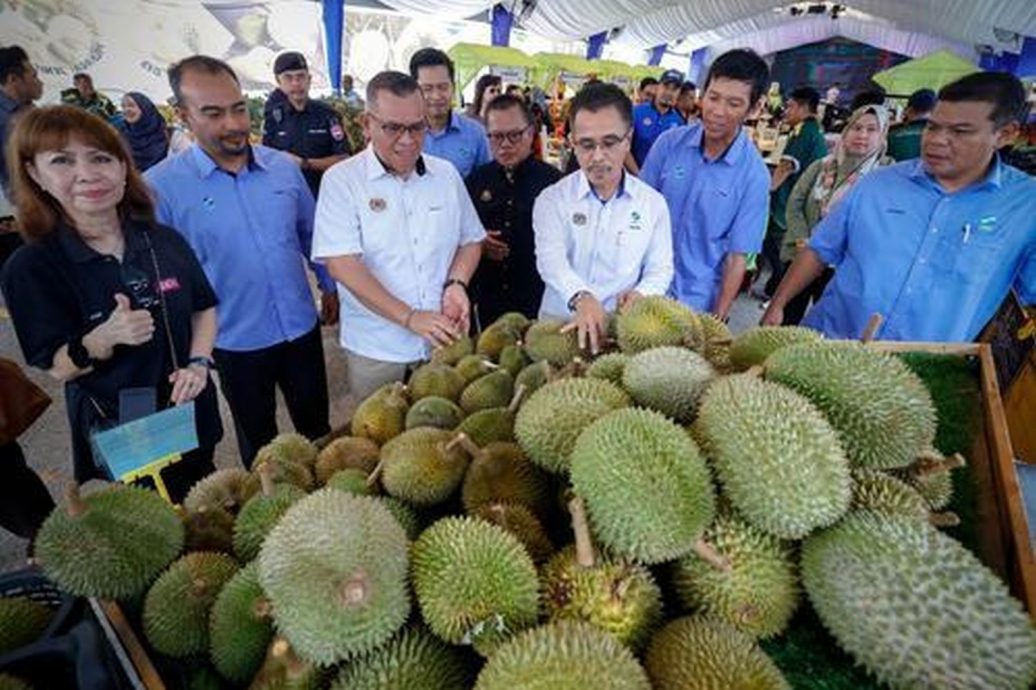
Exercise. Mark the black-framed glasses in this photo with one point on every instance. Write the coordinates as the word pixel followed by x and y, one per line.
pixel 397 129
pixel 513 136
pixel 608 144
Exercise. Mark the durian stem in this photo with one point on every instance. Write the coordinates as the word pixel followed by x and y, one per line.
pixel 927 465
pixel 372 480
pixel 872 328
pixel 199 587
pixel 711 556
pixel 354 591
pixel 516 400
pixel 75 505
pixel 584 544
pixel 263 609
pixel 280 648
pixel 266 479
pixel 501 514
pixel 462 440
pixel 756 370
pixel 721 342
pixel 947 519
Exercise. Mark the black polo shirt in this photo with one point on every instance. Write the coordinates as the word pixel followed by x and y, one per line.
pixel 504 199
pixel 58 287
pixel 316 131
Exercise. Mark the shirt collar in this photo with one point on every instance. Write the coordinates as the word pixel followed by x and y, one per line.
pixel 7 103
pixel 452 125
pixel 993 178
pixel 206 165
pixel 376 168
pixel 80 252
pixel 734 153
pixel 584 189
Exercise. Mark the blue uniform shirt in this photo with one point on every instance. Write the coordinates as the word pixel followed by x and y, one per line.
pixel 717 207
pixel 648 124
pixel 935 265
pixel 251 232
pixel 463 143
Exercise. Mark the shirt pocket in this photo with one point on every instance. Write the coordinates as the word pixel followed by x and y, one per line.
pixel 278 214
pixel 968 256
pixel 716 207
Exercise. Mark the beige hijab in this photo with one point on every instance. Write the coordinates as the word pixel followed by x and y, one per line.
pixel 840 170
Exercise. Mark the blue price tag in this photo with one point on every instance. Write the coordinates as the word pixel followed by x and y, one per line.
pixel 129 447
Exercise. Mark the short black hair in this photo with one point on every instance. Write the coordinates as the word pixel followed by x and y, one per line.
pixel 1001 89
pixel 82 75
pixel 506 101
pixel 807 96
pixel 922 101
pixel 874 96
pixel 597 96
pixel 647 81
pixel 431 57
pixel 12 62
pixel 196 63
pixel 743 65
pixel 397 83
pixel 687 87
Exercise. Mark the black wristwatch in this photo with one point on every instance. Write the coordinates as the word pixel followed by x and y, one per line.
pixel 573 302
pixel 456 281
pixel 78 353
pixel 203 361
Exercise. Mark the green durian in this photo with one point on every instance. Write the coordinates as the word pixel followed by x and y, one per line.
pixel 492 390
pixel 609 367
pixel 344 453
pixel 534 375
pixel 544 341
pixel 667 379
pixel 423 466
pixel 656 321
pixel 382 416
pixel 284 669
pixel 289 447
pixel 517 519
pixel 512 359
pixel 492 341
pixel 500 472
pixel 434 411
pixel 240 626
pixel 22 621
pixel 473 367
pixel 221 489
pixel 412 659
pixel 353 481
pixel 752 347
pixel 208 529
pixel 259 515
pixel 438 380
pixel 454 352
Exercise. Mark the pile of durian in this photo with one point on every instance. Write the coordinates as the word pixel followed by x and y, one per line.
pixel 516 517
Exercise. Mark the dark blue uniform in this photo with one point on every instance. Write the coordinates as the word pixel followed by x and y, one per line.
pixel 313 132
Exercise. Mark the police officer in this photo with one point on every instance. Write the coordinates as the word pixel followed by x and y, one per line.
pixel 309 130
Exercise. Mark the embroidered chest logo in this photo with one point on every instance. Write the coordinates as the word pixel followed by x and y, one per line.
pixel 635 221
pixel 987 224
pixel 377 204
pixel 679 172
pixel 208 203
pixel 647 121
pixel 579 218
pixel 169 285
pixel 486 196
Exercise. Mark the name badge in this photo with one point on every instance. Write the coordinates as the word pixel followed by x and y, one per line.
pixel 579 218
pixel 377 204
pixel 169 285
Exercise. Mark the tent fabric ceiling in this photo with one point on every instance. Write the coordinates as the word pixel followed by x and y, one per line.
pixel 646 23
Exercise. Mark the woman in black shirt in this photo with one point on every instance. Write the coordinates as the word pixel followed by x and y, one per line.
pixel 101 296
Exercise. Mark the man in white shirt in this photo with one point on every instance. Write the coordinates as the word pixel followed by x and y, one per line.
pixel 603 237
pixel 399 233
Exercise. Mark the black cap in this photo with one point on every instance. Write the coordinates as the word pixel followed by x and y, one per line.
pixel 922 101
pixel 671 76
pixel 289 61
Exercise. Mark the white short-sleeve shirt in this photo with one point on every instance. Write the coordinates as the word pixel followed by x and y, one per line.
pixel 606 248
pixel 407 231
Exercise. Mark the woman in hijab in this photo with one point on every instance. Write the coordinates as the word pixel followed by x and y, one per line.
pixel 860 150
pixel 145 130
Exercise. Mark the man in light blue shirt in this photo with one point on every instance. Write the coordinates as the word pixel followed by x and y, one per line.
pixel 932 245
pixel 716 186
pixel 459 139
pixel 248 215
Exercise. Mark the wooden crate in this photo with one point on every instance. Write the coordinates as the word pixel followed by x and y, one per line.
pixel 1004 543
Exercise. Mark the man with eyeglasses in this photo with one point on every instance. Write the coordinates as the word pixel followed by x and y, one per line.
pixel 398 232
pixel 933 245
pixel 716 185
pixel 503 193
pixel 603 237
pixel 309 131
pixel 451 135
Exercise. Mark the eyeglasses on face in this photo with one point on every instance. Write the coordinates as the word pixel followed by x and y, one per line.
pixel 608 144
pixel 513 136
pixel 397 129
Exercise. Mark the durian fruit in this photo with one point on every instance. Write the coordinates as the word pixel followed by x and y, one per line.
pixel 883 493
pixel 176 609
pixel 208 529
pixel 882 411
pixel 778 460
pixel 512 359
pixel 522 523
pixel 22 621
pixel 491 390
pixel 203 678
pixel 544 341
pixel 474 582
pixel 916 608
pixel 515 320
pixel 656 321
pixel 492 341
pixel 758 593
pixel 284 669
pixel 221 489
pixel 566 655
pixel 289 447
pixel 472 367
pixel 696 653
pixel 752 347
pixel 454 352
pixel 414 658
pixel 240 626
pixel 261 513
pixel 609 367
pixel 353 481
pixel 343 453
pixel 110 544
pixel 423 466
pixel 717 339
pixel 667 379
pixel 439 380
pixel 9 682
pixel 614 594
pixel 405 515
pixel 382 416
pixel 500 472
pixel 549 422
pixel 931 476
pixel 334 569
pixel 434 411
pixel 534 375
pixel 495 423
pixel 646 487
pixel 281 471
